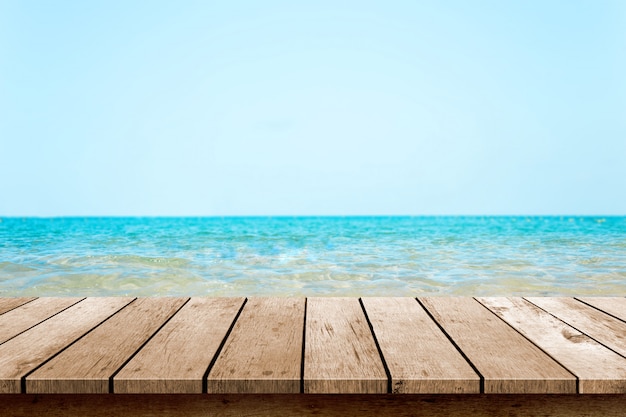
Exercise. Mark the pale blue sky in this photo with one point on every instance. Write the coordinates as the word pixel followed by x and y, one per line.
pixel 278 108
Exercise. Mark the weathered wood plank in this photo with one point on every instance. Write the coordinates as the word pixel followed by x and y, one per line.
pixel 605 329
pixel 176 358
pixel 28 315
pixel 25 352
pixel 87 365
pixel 9 303
pixel 340 352
pixel 599 370
pixel 264 350
pixel 615 306
pixel 419 356
pixel 191 405
pixel 508 362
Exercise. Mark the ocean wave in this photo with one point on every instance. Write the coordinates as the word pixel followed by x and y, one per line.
pixel 401 256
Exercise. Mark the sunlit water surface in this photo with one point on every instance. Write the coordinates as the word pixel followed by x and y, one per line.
pixel 313 256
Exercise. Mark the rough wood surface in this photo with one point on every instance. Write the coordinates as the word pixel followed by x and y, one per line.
pixel 605 329
pixel 598 369
pixel 264 350
pixel 177 357
pixel 28 315
pixel 103 343
pixel 615 306
pixel 439 405
pixel 419 356
pixel 508 362
pixel 9 303
pixel 87 365
pixel 30 349
pixel 340 352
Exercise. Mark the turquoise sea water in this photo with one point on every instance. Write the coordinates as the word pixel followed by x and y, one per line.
pixel 313 256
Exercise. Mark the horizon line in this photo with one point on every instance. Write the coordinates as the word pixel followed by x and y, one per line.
pixel 216 216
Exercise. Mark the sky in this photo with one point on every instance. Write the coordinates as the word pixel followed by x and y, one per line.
pixel 217 108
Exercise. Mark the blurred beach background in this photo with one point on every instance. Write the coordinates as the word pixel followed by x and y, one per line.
pixel 329 147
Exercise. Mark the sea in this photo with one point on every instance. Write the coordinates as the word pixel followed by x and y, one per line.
pixel 313 256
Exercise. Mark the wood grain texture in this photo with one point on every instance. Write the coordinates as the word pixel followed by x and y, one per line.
pixel 340 352
pixel 30 349
pixel 439 405
pixel 81 347
pixel 176 358
pixel 605 329
pixel 508 362
pixel 28 315
pixel 9 303
pixel 264 350
pixel 85 367
pixel 419 356
pixel 616 306
pixel 599 370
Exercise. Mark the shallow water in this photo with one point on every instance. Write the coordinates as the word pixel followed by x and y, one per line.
pixel 313 256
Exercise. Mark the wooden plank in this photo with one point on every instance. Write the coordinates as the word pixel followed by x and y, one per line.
pixel 419 356
pixel 176 358
pixel 605 329
pixel 191 405
pixel 28 315
pixel 9 303
pixel 85 367
pixel 599 370
pixel 615 306
pixel 340 352
pixel 264 351
pixel 27 351
pixel 508 362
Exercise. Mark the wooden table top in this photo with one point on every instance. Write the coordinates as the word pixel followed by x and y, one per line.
pixel 430 345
